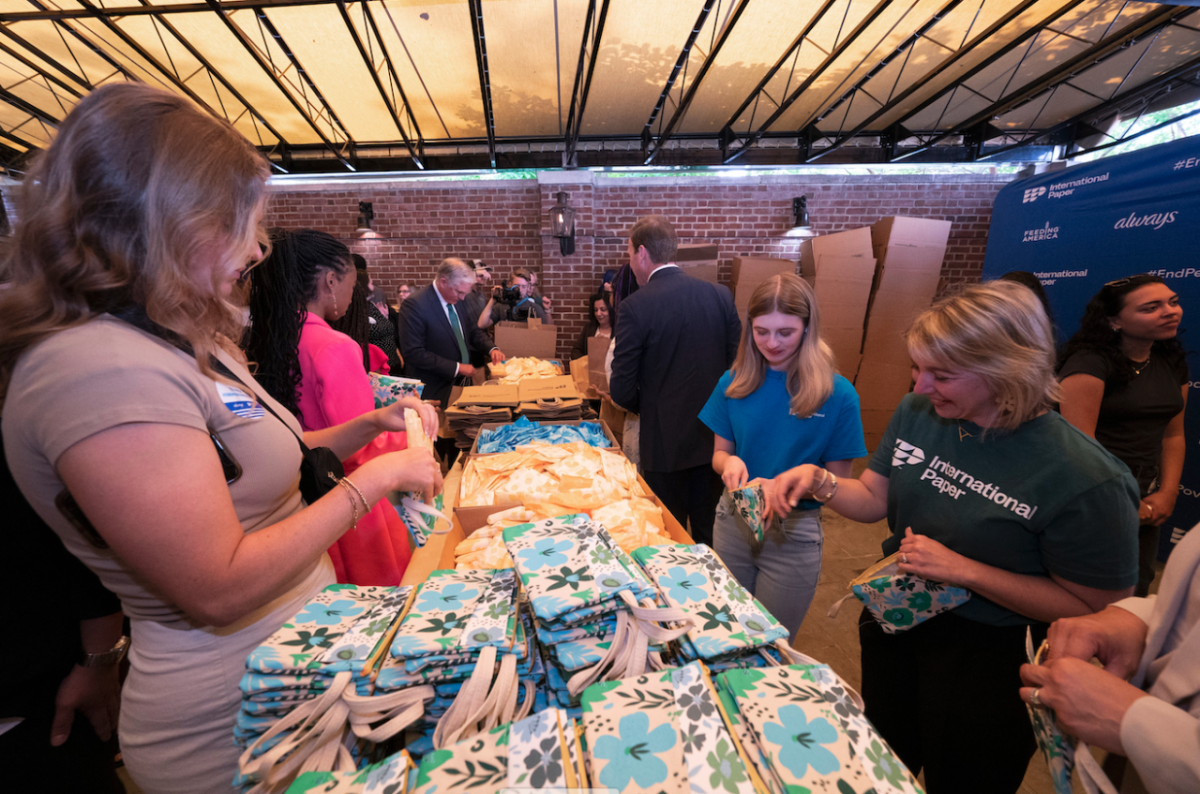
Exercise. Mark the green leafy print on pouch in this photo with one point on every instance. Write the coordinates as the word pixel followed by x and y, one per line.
pixel 569 578
pixel 445 625
pixel 898 616
pixel 727 767
pixel 632 754
pixel 800 742
pixel 717 617
pixel 884 765
pixel 596 694
pixel 314 639
pixel 452 596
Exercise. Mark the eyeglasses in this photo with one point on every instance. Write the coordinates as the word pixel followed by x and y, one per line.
pixel 1123 281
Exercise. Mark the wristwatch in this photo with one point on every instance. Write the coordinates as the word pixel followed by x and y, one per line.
pixel 109 658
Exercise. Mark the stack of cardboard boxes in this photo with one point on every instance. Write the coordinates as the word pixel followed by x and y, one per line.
pixel 699 261
pixel 749 272
pixel 840 268
pixel 909 254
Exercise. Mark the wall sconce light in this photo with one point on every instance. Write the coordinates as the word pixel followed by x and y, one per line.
pixel 562 224
pixel 801 228
pixel 366 214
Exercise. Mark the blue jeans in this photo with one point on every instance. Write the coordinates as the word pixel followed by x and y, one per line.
pixel 782 571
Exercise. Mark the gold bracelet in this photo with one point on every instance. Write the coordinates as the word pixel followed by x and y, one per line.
pixel 350 495
pixel 832 490
pixel 366 504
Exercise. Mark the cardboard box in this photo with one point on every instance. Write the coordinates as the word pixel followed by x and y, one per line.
pixel 883 385
pixel 707 273
pixel 904 231
pixel 527 339
pixel 597 356
pixel 536 389
pixel 854 243
pixel 469 519
pixel 505 394
pixel 693 255
pixel 749 272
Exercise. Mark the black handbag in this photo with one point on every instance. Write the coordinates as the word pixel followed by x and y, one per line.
pixel 320 468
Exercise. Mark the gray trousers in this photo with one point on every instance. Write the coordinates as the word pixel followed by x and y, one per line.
pixel 781 572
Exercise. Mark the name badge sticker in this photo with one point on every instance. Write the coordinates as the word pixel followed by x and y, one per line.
pixel 239 402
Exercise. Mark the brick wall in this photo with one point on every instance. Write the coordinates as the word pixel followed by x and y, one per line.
pixel 504 222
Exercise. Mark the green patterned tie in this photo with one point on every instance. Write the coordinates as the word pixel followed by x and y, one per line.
pixel 458 334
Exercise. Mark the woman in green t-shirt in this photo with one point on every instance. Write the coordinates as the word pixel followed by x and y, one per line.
pixel 984 487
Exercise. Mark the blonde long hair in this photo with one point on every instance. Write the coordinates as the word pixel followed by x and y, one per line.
pixel 999 331
pixel 810 372
pixel 135 190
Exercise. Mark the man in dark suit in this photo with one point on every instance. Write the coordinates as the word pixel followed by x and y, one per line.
pixel 675 338
pixel 437 337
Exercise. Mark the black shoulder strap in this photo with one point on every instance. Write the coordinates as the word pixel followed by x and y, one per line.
pixel 136 316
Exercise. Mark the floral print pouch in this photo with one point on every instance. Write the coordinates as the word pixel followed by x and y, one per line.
pixel 388 389
pixel 750 503
pixel 569 565
pixel 539 752
pixel 728 620
pixel 1057 748
pixel 810 733
pixel 459 611
pixel 663 732
pixel 899 601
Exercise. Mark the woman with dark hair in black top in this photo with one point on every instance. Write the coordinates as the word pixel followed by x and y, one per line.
pixel 1124 382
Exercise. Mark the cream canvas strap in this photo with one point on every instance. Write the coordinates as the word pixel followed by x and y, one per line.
pixel 649 618
pixel 396 710
pixel 417 506
pixel 470 704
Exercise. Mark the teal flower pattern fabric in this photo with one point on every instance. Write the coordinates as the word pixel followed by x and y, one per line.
pixel 388 389
pixel 803 730
pixel 456 611
pixel 728 621
pixel 750 504
pixel 900 601
pixel 662 732
pixel 541 751
pixel 389 776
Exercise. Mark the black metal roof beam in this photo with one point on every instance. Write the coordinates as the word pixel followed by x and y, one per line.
pixel 1146 91
pixel 269 68
pixel 60 14
pixel 11 136
pixel 938 70
pixel 1148 24
pixel 684 53
pixel 906 49
pixel 387 101
pixel 82 80
pixel 583 82
pixel 779 62
pixel 70 89
pixel 485 85
pixel 1138 134
pixel 686 102
pixel 169 72
pixel 27 107
pixel 387 59
pixel 104 56
pixel 307 83
pixel 216 75
pixel 816 73
pixel 821 112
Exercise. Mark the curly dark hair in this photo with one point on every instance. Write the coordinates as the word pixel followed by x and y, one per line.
pixel 1096 333
pixel 356 322
pixel 281 286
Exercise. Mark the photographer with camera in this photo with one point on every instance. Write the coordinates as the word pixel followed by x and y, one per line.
pixel 514 302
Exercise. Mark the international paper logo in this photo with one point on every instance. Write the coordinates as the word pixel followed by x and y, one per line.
pixel 905 453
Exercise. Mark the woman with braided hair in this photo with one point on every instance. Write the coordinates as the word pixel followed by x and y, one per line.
pixel 307 284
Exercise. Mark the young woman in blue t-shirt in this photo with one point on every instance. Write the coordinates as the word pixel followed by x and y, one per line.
pixel 780 406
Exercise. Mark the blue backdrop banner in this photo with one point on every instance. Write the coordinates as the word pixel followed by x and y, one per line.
pixel 1079 228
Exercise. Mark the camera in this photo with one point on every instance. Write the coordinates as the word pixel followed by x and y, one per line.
pixel 509 296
